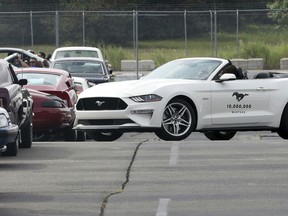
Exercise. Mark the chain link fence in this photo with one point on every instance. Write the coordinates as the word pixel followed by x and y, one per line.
pixel 187 33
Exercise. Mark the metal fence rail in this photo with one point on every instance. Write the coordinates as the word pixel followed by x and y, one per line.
pixel 213 28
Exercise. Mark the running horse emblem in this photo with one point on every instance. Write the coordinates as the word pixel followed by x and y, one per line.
pixel 239 96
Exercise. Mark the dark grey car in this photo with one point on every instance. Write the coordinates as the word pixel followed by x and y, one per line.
pixel 92 69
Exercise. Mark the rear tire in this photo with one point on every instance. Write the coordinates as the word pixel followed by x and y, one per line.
pixel 220 135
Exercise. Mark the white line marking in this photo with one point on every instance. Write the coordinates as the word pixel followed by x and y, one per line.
pixel 174 153
pixel 162 207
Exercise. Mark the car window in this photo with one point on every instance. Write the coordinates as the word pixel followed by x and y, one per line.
pixel 40 78
pixel 75 67
pixel 197 69
pixel 76 53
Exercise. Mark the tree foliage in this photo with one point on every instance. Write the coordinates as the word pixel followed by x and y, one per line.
pixel 279 12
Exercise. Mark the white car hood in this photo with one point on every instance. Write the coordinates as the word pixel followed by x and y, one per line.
pixel 130 88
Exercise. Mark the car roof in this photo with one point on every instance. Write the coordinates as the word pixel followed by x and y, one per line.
pixel 75 48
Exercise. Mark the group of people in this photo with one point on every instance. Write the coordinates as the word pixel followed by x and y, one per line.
pixel 32 62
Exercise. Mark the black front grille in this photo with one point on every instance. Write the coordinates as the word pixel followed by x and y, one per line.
pixel 101 103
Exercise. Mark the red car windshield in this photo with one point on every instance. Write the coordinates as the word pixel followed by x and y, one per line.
pixel 40 78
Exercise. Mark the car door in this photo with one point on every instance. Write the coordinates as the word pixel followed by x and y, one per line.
pixel 10 93
pixel 240 103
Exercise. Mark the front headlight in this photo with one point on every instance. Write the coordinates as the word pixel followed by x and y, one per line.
pixel 3 121
pixel 146 98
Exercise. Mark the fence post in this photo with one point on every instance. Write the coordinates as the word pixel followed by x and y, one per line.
pixel 211 31
pixel 83 24
pixel 237 33
pixel 136 45
pixel 31 27
pixel 215 33
pixel 57 29
pixel 185 32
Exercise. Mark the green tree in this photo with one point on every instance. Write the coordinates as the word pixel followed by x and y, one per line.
pixel 279 12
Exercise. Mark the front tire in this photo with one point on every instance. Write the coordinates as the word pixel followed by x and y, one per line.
pixel 105 136
pixel 220 135
pixel 27 134
pixel 283 129
pixel 178 120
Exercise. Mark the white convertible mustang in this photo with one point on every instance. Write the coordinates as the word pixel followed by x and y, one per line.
pixel 208 95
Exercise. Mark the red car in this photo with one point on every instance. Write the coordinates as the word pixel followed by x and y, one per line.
pixel 51 114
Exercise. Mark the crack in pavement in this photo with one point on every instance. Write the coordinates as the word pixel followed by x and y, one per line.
pixel 105 201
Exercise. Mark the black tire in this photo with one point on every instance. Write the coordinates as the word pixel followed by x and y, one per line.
pixel 38 137
pixel 178 120
pixel 220 135
pixel 12 148
pixel 81 136
pixel 70 135
pixel 27 134
pixel 283 129
pixel 105 136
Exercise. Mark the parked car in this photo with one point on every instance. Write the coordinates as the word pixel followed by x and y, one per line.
pixel 52 116
pixel 8 53
pixel 208 95
pixel 80 51
pixel 9 133
pixel 82 83
pixel 76 51
pixel 55 82
pixel 92 69
pixel 19 105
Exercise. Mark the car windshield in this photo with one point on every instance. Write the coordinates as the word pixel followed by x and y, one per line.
pixel 194 69
pixel 40 78
pixel 77 66
pixel 77 53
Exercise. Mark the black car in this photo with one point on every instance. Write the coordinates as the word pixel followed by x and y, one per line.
pixel 19 105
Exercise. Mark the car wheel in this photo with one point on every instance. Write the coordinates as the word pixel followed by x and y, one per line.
pixel 70 135
pixel 37 137
pixel 283 129
pixel 12 148
pixel 27 135
pixel 178 121
pixel 81 136
pixel 105 136
pixel 220 135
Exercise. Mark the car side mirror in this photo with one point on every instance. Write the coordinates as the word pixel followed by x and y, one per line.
pixel 23 82
pixel 226 77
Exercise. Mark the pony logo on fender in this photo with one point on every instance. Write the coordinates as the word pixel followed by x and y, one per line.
pixel 239 96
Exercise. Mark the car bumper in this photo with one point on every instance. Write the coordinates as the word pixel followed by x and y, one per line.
pixel 44 121
pixel 8 135
pixel 137 117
